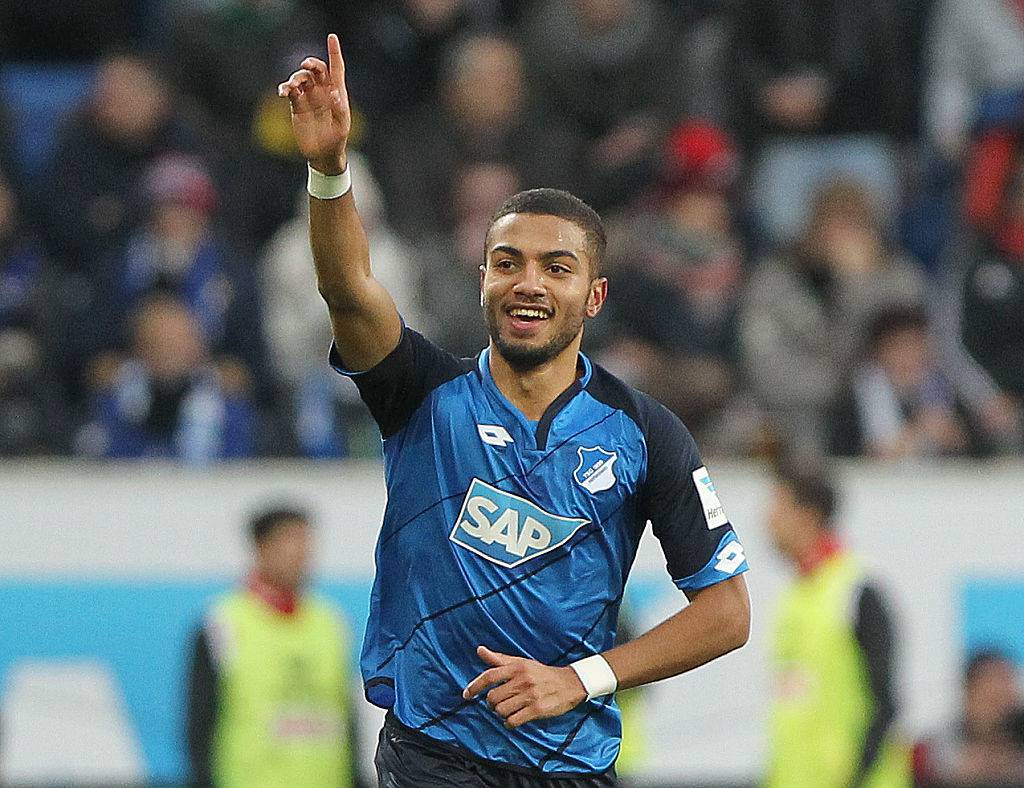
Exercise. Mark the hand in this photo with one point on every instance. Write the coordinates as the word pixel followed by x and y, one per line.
pixel 321 117
pixel 524 689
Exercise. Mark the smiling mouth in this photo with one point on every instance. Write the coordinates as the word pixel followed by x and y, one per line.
pixel 528 314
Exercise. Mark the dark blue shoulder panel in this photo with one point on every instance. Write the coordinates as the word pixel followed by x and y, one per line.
pixel 399 384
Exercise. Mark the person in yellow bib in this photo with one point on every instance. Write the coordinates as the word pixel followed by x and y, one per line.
pixel 269 692
pixel 832 654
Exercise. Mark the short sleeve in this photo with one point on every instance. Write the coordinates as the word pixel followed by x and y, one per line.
pixel 398 385
pixel 680 500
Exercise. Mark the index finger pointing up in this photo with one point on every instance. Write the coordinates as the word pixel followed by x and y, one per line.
pixel 337 65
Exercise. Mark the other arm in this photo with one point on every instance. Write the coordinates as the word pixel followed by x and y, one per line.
pixel 874 632
pixel 201 712
pixel 364 318
pixel 716 621
pixel 705 560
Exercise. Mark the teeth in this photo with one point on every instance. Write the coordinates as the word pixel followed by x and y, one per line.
pixel 528 313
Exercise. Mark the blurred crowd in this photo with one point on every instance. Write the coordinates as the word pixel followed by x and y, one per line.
pixel 815 211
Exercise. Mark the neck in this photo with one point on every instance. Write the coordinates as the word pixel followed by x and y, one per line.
pixel 534 389
pixel 821 547
pixel 278 597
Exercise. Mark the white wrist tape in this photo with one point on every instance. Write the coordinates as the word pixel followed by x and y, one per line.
pixel 328 187
pixel 596 675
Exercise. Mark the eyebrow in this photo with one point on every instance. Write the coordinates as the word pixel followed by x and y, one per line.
pixel 545 256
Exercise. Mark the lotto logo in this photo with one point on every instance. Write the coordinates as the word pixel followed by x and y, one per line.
pixel 730 557
pixel 506 529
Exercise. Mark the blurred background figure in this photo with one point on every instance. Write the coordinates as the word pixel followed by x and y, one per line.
pixel 985 745
pixel 618 72
pixel 166 396
pixel 269 697
pixel 900 403
pixel 484 110
pixel 451 262
pixel 104 148
pixel 971 50
pixel 33 417
pixel 823 91
pixel 677 271
pixel 805 314
pixel 200 38
pixel 833 654
pixel 178 250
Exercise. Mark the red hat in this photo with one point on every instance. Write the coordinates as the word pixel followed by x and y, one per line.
pixel 176 178
pixel 698 155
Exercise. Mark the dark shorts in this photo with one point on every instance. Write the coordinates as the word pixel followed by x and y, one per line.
pixel 409 759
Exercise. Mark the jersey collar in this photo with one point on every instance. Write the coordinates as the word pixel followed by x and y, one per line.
pixel 541 428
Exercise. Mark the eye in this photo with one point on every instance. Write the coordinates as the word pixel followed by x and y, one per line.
pixel 559 269
pixel 503 262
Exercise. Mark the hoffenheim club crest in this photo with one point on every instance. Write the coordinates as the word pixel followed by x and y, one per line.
pixel 595 471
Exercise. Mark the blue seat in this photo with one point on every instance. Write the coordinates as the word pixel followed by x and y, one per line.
pixel 39 97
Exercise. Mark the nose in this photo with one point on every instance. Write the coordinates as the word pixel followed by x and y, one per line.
pixel 530 281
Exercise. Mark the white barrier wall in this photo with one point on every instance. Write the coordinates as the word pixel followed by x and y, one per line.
pixel 932 532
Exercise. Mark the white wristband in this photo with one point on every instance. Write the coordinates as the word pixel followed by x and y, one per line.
pixel 328 187
pixel 596 675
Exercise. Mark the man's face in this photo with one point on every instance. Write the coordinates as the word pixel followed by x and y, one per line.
pixel 536 287
pixel 791 525
pixel 990 697
pixel 283 555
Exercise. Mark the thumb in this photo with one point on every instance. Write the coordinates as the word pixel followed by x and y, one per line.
pixel 493 657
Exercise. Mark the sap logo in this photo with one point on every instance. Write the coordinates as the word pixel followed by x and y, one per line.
pixel 506 529
pixel 494 435
pixel 594 473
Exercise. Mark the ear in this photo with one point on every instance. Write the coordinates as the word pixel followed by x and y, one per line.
pixel 483 271
pixel 598 295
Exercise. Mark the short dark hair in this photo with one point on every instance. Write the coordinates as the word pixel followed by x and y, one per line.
pixel 893 320
pixel 266 521
pixel 555 202
pixel 811 488
pixel 981 659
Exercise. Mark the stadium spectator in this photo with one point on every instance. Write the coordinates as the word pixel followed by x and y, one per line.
pixel 992 314
pixel 199 38
pixel 31 408
pixel 833 653
pixel 268 694
pixel 104 148
pixel 483 113
pixel 398 53
pixel 179 250
pixel 452 261
pixel 823 89
pixel 678 280
pixel 804 315
pixel 985 746
pixel 971 49
pixel 167 397
pixel 900 403
pixel 620 72
pixel 299 332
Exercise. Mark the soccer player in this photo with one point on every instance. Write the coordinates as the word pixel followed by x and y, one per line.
pixel 519 484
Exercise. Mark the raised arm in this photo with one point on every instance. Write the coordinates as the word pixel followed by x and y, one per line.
pixel 364 318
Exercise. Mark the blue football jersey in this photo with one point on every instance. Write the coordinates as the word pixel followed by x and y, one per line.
pixel 519 535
